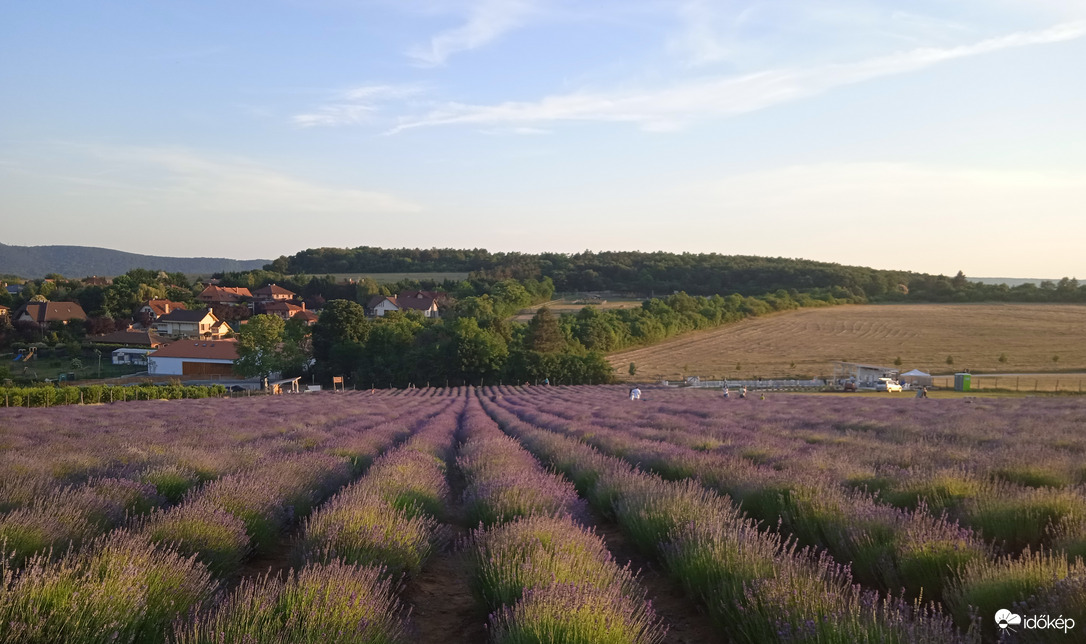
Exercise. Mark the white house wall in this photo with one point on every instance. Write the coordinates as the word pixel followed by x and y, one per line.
pixel 174 366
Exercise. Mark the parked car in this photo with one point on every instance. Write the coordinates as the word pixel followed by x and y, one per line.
pixel 887 384
pixel 850 385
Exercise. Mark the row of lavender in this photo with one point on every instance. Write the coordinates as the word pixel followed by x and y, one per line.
pixel 1011 469
pixel 152 471
pixel 541 573
pixel 758 585
pixel 131 584
pixel 886 546
pixel 1011 515
pixel 353 553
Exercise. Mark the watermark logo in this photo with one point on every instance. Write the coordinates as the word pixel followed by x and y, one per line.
pixel 1006 621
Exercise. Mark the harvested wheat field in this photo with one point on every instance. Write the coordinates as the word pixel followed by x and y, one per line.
pixel 805 343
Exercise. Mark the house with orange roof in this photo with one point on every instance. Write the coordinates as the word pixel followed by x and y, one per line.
pixel 284 310
pixel 152 310
pixel 42 313
pixel 227 295
pixel 273 293
pixel 206 358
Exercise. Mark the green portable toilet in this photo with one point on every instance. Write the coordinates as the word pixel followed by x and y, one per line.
pixel 963 381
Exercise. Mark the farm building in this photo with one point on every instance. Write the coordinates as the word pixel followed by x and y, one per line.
pixel 864 375
pixel 194 358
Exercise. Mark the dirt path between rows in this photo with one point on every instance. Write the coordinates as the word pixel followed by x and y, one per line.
pixel 443 609
pixel 686 623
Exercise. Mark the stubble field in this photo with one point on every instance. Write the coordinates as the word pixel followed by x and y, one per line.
pixel 805 343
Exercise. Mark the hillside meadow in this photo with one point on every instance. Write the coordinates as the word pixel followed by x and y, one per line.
pixel 806 342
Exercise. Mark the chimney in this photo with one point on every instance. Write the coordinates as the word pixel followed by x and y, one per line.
pixel 167 307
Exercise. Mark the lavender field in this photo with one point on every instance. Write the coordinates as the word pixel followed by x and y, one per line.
pixel 544 514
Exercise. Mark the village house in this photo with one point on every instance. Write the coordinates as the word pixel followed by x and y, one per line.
pixel 226 295
pixel 305 315
pixel 191 324
pixel 273 293
pixel 426 302
pixel 210 359
pixel 152 310
pixel 42 313
pixel 284 310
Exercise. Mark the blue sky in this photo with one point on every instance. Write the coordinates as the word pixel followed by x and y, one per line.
pixel 930 135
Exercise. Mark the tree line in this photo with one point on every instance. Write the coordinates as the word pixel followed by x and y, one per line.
pixel 648 274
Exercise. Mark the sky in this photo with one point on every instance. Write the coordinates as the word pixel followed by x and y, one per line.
pixel 928 135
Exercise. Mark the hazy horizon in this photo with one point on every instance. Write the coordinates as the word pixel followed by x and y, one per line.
pixel 936 137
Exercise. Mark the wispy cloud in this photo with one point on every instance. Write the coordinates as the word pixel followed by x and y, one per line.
pixel 716 97
pixel 358 105
pixel 700 40
pixel 182 180
pixel 487 20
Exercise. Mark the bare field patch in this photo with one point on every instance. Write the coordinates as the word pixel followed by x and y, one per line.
pixel 571 305
pixel 805 343
pixel 390 278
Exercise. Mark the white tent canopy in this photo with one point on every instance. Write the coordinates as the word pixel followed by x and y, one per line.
pixel 916 378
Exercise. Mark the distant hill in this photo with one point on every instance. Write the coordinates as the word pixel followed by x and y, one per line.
pixel 1011 281
pixel 82 261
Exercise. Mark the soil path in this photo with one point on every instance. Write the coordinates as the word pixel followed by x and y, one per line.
pixel 443 609
pixel 686 623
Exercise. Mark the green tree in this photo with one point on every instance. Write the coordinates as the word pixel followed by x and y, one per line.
pixel 950 360
pixel 544 333
pixel 477 355
pixel 259 347
pixel 897 361
pixel 1003 358
pixel 339 337
pixel 633 369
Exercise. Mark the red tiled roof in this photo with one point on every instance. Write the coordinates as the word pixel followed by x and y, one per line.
pixel 205 349
pixel 43 312
pixel 439 296
pixel 162 307
pixel 224 294
pixel 377 299
pixel 416 303
pixel 273 289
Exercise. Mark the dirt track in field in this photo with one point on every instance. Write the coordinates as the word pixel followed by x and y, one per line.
pixel 805 343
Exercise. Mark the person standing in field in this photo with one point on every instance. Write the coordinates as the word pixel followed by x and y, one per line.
pixel 922 393
pixel 635 394
pixel 743 392
pixel 726 392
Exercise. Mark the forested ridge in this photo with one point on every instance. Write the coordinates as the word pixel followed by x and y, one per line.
pixel 650 274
